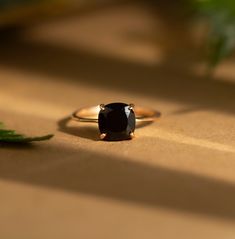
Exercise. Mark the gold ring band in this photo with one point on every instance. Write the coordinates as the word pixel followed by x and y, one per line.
pixel 117 121
pixel 90 114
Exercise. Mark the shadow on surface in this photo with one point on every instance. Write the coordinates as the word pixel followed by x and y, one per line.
pixel 84 131
pixel 18 146
pixel 165 80
pixel 108 176
pixel 80 171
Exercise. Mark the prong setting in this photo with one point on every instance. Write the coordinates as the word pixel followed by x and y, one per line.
pixel 102 136
pixel 131 106
pixel 116 121
pixel 102 106
pixel 132 135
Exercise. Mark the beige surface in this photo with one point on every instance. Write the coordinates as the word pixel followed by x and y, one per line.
pixel 175 180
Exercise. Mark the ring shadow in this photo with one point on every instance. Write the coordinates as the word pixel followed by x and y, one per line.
pixel 85 131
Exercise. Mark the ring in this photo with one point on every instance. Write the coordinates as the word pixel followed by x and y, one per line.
pixel 117 121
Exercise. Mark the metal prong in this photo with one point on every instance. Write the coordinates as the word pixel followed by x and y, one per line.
pixel 102 136
pixel 102 106
pixel 132 135
pixel 131 106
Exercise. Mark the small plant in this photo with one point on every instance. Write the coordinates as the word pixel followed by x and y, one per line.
pixel 11 136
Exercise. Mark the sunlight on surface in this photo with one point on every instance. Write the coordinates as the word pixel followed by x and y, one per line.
pixel 119 37
pixel 187 140
pixel 176 172
pixel 54 112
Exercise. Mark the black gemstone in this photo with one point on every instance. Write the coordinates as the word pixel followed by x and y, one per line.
pixel 117 121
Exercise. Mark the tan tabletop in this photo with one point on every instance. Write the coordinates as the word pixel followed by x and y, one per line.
pixel 175 180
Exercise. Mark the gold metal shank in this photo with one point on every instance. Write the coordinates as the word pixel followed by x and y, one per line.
pixel 90 114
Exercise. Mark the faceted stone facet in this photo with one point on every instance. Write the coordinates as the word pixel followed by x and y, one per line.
pixel 117 121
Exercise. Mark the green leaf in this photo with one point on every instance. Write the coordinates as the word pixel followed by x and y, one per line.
pixel 10 136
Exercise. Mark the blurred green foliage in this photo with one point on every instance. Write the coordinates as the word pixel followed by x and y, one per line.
pixel 220 14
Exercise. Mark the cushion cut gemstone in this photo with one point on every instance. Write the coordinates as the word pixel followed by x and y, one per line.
pixel 117 121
